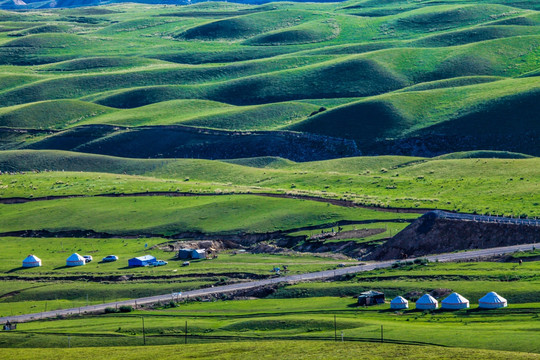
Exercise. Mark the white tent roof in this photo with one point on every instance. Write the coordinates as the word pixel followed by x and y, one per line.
pixel 492 298
pixel 427 299
pixel 31 259
pixel 399 300
pixel 454 299
pixel 75 257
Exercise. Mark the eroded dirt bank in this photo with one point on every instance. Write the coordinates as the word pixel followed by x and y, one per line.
pixel 433 234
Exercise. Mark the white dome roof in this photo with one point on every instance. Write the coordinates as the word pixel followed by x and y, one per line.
pixel 31 258
pixel 399 300
pixel 492 298
pixel 427 299
pixel 455 298
pixel 75 257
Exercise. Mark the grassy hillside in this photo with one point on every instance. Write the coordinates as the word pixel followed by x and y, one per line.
pixel 434 75
pixel 469 183
pixel 55 114
pixel 483 110
pixel 166 216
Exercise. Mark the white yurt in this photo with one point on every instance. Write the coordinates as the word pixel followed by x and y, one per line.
pixel 454 301
pixel 492 300
pixel 427 302
pixel 399 302
pixel 75 260
pixel 31 261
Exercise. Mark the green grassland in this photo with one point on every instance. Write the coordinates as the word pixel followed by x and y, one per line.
pixel 414 80
pixel 422 70
pixel 169 215
pixel 466 182
pixel 511 329
pixel 282 349
pixel 54 251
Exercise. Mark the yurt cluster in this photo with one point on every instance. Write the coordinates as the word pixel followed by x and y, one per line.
pixel 73 260
pixel 454 301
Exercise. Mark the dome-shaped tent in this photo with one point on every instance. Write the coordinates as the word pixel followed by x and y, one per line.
pixel 454 301
pixel 31 261
pixel 492 300
pixel 427 302
pixel 399 302
pixel 75 260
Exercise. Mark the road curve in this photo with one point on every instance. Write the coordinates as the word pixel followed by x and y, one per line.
pixel 254 284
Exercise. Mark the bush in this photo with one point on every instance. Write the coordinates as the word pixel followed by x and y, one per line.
pixel 110 310
pixel 125 308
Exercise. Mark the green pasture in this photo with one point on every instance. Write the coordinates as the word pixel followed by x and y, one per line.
pixel 504 186
pixel 422 68
pixel 418 79
pixel 169 215
pixel 54 251
pixel 510 329
pixel 283 349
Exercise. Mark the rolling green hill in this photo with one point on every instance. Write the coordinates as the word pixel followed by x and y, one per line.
pixel 412 78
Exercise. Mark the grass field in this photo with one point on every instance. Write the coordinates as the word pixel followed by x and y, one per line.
pixel 511 329
pixel 169 215
pixel 285 350
pixel 214 101
pixel 466 182
pixel 427 72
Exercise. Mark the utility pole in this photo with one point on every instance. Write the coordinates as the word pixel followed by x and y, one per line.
pixel 335 329
pixel 185 334
pixel 143 333
pixel 382 334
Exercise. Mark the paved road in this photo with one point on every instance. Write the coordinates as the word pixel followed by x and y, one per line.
pixel 254 284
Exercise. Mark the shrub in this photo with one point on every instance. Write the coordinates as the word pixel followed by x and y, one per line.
pixel 125 308
pixel 110 310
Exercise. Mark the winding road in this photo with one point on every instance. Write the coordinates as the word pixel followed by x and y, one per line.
pixel 254 284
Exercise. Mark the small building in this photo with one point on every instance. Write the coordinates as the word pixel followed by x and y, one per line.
pixel 75 260
pixel 371 298
pixel 454 301
pixel 427 302
pixel 31 261
pixel 399 302
pixel 492 300
pixel 141 261
pixel 189 254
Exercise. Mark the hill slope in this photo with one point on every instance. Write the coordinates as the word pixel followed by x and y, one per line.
pixel 396 77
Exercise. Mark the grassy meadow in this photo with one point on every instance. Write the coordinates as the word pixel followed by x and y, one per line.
pixel 472 182
pixel 283 349
pixel 427 72
pixel 511 329
pixel 128 128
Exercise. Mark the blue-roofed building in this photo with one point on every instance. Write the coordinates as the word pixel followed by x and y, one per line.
pixel 141 261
